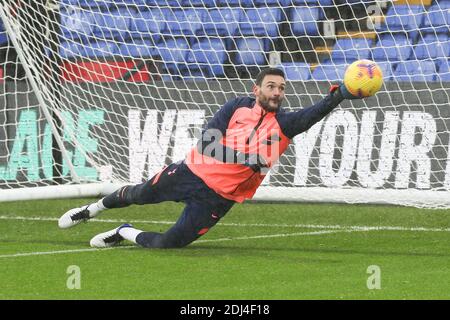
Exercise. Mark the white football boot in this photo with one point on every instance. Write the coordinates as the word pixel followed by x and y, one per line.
pixel 109 238
pixel 74 216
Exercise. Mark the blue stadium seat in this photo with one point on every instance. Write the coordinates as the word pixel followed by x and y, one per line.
pixel 76 23
pixel 351 2
pixel 173 53
pixel 296 71
pixel 387 68
pixel 303 20
pixel 3 38
pixel 165 3
pixel 134 2
pixel 260 22
pixel 112 25
pixel 70 49
pixel 183 21
pixel 351 49
pixel 437 18
pixel 208 55
pixel 267 3
pixel 313 2
pixel 406 18
pixel 251 51
pixel 415 70
pixel 443 70
pixel 85 3
pixel 147 24
pixel 235 3
pixel 433 46
pixel 330 72
pixel 221 22
pixel 199 3
pixel 445 77
pixel 392 47
pixel 137 49
pixel 100 49
pixel 443 64
pixel 3 35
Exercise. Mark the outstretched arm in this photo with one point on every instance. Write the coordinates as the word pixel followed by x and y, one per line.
pixel 294 123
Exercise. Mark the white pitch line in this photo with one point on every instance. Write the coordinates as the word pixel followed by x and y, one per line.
pixel 282 235
pixel 306 226
pixel 27 254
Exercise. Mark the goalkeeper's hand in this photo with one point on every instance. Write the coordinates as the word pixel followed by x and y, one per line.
pixel 340 89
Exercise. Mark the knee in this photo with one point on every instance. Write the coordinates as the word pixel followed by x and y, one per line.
pixel 139 195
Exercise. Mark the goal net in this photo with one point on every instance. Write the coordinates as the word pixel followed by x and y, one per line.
pixel 95 94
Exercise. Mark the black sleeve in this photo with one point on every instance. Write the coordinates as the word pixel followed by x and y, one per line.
pixel 294 123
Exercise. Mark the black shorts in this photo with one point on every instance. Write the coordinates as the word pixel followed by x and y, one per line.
pixel 204 207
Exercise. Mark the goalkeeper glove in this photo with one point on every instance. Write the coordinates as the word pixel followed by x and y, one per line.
pixel 341 90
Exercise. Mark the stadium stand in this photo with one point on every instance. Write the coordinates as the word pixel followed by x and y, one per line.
pixel 404 18
pixel 208 55
pixel 432 46
pixel 415 70
pixel 251 51
pixel 392 47
pixel 296 71
pixel 240 33
pixel 231 3
pixel 76 23
pixel 221 22
pixel 113 24
pixel 198 3
pixel 304 20
pixel 82 3
pixel 313 2
pixel 278 3
pixel 173 54
pixel 3 37
pixel 443 70
pixel 101 49
pixel 182 22
pixel 260 22
pixel 437 18
pixel 139 48
pixel 349 50
pixel 329 72
pixel 148 23
pixel 161 3
pixel 387 68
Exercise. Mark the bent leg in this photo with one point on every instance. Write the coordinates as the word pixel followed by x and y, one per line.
pixel 195 221
pixel 164 186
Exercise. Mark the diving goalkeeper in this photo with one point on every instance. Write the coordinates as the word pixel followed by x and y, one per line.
pixel 237 148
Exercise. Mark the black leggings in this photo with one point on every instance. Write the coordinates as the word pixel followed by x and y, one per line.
pixel 204 207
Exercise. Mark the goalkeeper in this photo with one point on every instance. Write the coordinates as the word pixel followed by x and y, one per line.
pixel 236 150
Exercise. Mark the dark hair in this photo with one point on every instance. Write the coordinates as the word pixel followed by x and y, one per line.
pixel 269 71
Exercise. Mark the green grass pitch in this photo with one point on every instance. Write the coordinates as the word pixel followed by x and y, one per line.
pixel 257 251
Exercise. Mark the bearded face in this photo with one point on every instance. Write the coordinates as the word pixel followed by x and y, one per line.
pixel 270 94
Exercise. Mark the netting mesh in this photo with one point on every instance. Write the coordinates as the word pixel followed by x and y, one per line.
pixel 98 90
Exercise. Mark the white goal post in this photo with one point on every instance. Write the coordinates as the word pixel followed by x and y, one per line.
pixel 96 94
